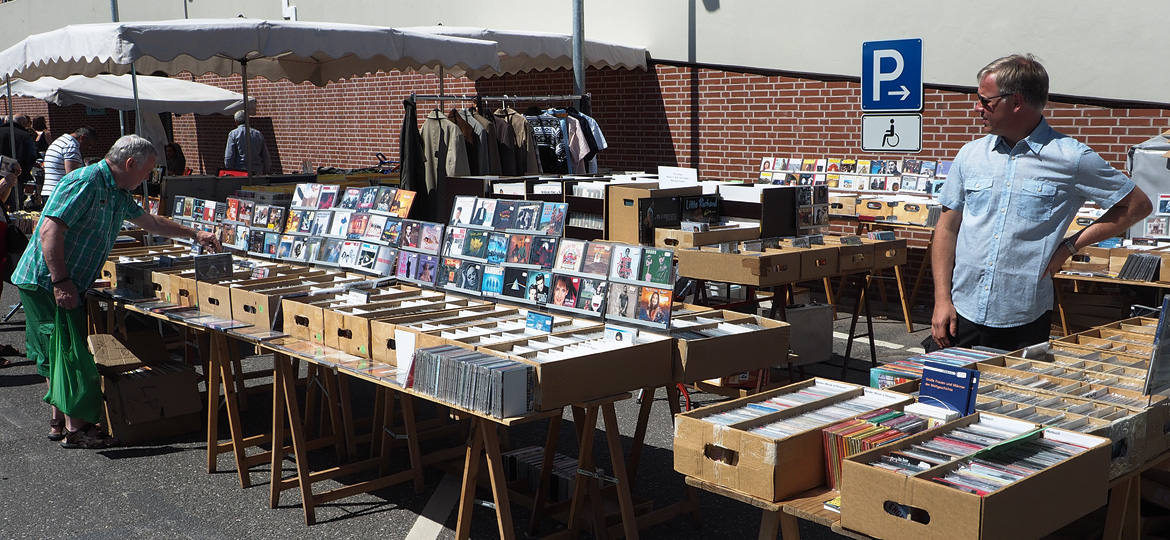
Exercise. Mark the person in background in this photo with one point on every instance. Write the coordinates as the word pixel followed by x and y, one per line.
pixel 44 138
pixel 8 179
pixel 65 156
pixel 26 150
pixel 235 157
pixel 77 229
pixel 1007 204
pixel 176 161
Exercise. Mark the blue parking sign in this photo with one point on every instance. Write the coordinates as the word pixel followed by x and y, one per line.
pixel 891 75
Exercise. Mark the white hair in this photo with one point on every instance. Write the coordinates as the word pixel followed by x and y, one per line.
pixel 131 146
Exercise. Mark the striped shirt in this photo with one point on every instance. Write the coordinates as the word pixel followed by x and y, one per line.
pixel 65 148
pixel 93 207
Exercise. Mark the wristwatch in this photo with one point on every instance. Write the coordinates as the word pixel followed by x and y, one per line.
pixel 1068 244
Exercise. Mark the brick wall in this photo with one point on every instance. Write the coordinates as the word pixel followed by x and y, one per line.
pixel 721 122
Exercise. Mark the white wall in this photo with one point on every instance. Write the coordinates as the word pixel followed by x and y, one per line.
pixel 1096 49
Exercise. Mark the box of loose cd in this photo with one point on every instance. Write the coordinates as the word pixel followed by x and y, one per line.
pixel 769 445
pixel 983 476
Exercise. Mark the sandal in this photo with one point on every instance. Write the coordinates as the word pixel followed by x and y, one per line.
pixel 4 362
pixel 57 429
pixel 9 350
pixel 89 438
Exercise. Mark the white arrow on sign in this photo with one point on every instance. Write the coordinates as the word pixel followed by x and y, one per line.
pixel 904 92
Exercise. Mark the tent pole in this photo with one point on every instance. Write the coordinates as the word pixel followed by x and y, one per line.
pixel 12 140
pixel 138 131
pixel 578 45
pixel 247 120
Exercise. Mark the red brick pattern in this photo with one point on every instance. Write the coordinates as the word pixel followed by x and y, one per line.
pixel 720 122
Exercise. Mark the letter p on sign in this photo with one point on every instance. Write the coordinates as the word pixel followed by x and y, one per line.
pixel 891 75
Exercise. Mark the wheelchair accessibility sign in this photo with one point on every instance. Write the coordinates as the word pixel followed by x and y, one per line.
pixel 891 133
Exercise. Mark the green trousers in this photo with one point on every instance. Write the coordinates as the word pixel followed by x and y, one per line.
pixel 55 339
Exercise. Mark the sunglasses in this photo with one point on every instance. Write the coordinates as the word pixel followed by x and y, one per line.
pixel 986 101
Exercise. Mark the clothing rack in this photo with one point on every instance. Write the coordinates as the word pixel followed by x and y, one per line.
pixel 581 99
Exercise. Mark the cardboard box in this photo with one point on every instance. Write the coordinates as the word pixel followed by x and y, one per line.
pixel 145 400
pixel 772 206
pixel 852 258
pixel 216 297
pixel 887 253
pixel 771 469
pixel 769 267
pixel 257 302
pixel 913 212
pixel 1029 508
pixel 1127 428
pixel 843 205
pixel 676 238
pixel 350 332
pixel 646 364
pixel 1089 259
pixel 699 359
pixel 817 261
pixel 383 344
pixel 621 213
pixel 304 317
pixel 877 208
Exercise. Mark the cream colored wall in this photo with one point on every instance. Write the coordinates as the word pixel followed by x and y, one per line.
pixel 1093 49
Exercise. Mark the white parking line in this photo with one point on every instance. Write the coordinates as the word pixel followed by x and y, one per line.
pixel 429 524
pixel 878 342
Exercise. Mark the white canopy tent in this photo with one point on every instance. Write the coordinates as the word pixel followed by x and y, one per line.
pixel 534 51
pixel 315 52
pixel 155 95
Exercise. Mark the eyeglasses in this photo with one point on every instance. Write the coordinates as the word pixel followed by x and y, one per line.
pixel 986 101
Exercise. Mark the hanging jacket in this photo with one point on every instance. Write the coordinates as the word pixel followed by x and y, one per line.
pixel 525 145
pixel 490 137
pixel 412 163
pixel 506 143
pixel 446 155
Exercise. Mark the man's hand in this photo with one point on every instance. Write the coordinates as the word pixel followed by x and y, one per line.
pixel 66 294
pixel 944 324
pixel 1056 262
pixel 208 241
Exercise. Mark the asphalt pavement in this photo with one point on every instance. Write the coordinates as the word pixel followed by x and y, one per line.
pixel 162 489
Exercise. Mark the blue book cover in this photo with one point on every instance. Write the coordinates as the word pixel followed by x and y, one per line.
pixel 951 387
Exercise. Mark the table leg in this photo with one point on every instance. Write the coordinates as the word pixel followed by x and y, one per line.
pixel 221 356
pixel 334 404
pixel 213 374
pixel 279 414
pixel 300 451
pixel 625 497
pixel 829 296
pixel 640 430
pixel 585 432
pixel 408 419
pixel 1123 517
pixel 926 262
pixel 470 477
pixel 1060 307
pixel 770 524
pixel 347 426
pixel 491 445
pixel 902 296
pixel 546 465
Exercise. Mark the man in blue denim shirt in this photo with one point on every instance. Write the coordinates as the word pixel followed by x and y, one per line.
pixel 1008 202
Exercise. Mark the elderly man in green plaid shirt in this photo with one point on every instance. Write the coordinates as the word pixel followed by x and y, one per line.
pixel 78 227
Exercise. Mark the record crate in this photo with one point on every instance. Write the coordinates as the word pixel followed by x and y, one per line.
pixel 888 504
pixel 770 468
pixel 707 357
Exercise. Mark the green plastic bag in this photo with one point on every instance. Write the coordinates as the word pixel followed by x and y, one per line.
pixel 74 383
